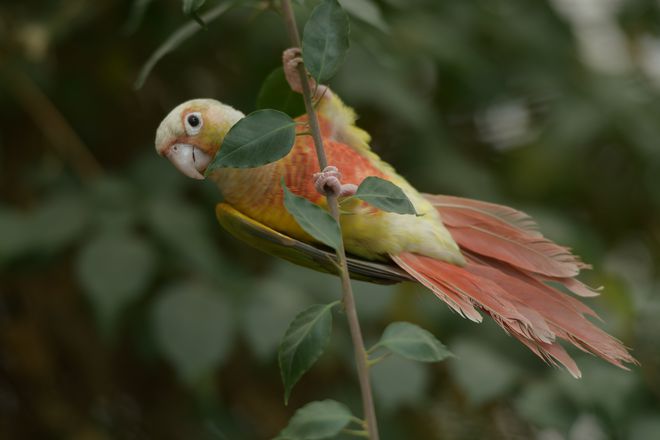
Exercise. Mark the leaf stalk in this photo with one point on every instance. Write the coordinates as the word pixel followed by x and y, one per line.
pixel 356 433
pixel 374 361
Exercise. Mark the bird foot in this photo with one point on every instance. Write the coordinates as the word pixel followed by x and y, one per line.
pixel 328 182
pixel 291 59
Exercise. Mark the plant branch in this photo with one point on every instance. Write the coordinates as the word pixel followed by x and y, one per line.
pixel 348 297
pixel 54 126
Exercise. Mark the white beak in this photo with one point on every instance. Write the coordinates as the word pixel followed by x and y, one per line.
pixel 188 159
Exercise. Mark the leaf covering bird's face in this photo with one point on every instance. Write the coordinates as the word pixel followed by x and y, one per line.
pixel 192 133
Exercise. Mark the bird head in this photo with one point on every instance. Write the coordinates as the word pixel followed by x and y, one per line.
pixel 191 134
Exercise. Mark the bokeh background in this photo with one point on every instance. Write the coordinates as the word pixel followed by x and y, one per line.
pixel 127 313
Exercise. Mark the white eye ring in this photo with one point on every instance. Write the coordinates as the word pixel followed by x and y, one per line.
pixel 194 123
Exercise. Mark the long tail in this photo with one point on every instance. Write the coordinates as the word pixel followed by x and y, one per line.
pixel 509 264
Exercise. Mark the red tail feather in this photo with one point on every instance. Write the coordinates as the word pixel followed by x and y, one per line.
pixel 505 234
pixel 576 286
pixel 509 262
pixel 461 212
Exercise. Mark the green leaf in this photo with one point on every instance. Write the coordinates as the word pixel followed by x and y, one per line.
pixel 384 195
pixel 259 138
pixel 303 343
pixel 177 38
pixel 166 218
pixel 602 386
pixel 482 372
pixel 367 11
pixel 193 328
pixel 114 270
pixel 644 427
pixel 276 93
pixel 412 342
pixel 325 40
pixel 58 221
pixel 272 305
pixel 400 382
pixel 317 420
pixel 542 404
pixel 113 203
pixel 312 218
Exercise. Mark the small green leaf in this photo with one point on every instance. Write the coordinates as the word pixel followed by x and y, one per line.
pixel 482 372
pixel 412 342
pixel 384 195
pixel 114 269
pixel 271 307
pixel 113 203
pixel 602 387
pixel 193 328
pixel 303 343
pixel 367 11
pixel 325 40
pixel 317 420
pixel 400 382
pixel 644 427
pixel 59 221
pixel 312 218
pixel 259 138
pixel 166 218
pixel 541 403
pixel 276 93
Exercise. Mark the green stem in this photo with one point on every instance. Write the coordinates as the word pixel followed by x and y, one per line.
pixel 358 422
pixel 348 297
pixel 374 361
pixel 356 433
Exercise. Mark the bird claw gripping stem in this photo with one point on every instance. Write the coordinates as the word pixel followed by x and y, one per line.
pixel 328 182
pixel 291 59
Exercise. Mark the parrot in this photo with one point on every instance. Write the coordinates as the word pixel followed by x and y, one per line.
pixel 480 258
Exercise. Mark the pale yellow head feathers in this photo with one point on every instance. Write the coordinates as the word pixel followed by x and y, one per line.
pixel 192 132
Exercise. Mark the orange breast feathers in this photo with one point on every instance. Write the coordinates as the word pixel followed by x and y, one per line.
pixel 257 193
pixel 302 163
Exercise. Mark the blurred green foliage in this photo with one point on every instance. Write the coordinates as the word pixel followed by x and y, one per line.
pixel 125 312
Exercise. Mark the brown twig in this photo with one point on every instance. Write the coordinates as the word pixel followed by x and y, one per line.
pixel 53 125
pixel 348 297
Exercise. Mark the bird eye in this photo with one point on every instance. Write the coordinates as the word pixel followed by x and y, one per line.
pixel 194 123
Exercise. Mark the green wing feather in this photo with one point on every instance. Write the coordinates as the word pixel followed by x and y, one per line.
pixel 318 258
